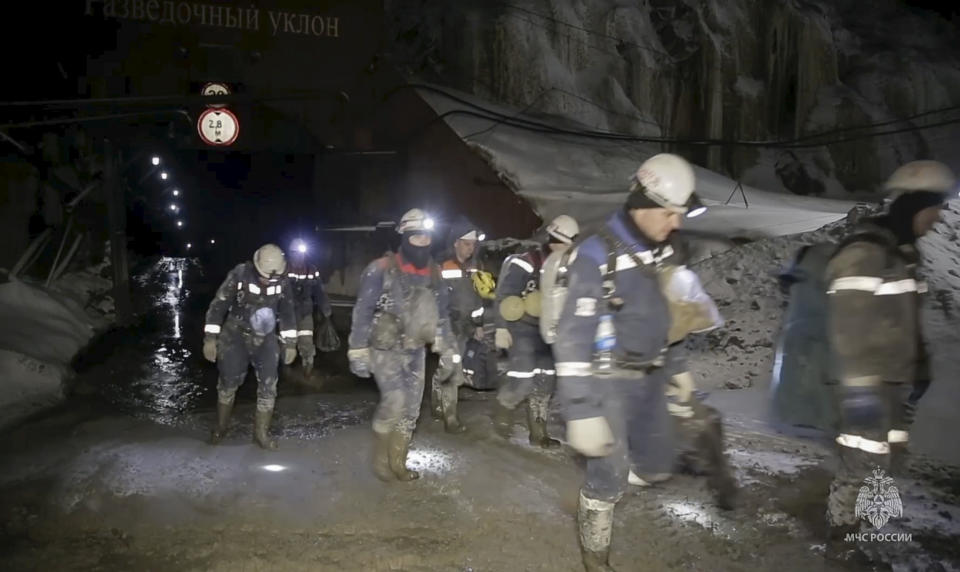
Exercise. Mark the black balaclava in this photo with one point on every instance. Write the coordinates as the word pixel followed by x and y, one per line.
pixel 546 245
pixel 905 207
pixel 419 256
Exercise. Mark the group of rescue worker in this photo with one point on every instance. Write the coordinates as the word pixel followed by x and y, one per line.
pixel 600 320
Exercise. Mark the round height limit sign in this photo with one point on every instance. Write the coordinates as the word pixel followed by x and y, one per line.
pixel 218 127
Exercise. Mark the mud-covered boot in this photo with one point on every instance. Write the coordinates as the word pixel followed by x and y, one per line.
pixel 451 422
pixel 720 480
pixel 502 420
pixel 436 399
pixel 399 447
pixel 899 458
pixel 381 457
pixel 261 430
pixel 842 548
pixel 538 430
pixel 595 521
pixel 223 422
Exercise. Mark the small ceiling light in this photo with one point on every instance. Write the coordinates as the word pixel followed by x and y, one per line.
pixel 179 223
pixel 163 175
pixel 176 193
pixel 155 160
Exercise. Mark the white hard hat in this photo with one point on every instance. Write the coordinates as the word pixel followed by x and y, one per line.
pixel 415 220
pixel 669 181
pixel 921 176
pixel 564 228
pixel 269 261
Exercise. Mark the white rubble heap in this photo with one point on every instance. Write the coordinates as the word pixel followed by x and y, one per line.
pixel 44 329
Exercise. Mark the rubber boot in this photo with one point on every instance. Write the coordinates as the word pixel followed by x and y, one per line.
pixel 538 430
pixel 595 521
pixel 448 397
pixel 720 480
pixel 899 459
pixel 399 447
pixel 261 430
pixel 436 399
pixel 502 420
pixel 223 422
pixel 381 457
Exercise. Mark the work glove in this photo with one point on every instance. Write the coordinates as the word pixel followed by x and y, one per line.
pixel 210 348
pixel 449 362
pixel 359 361
pixel 591 437
pixel 289 354
pixel 502 339
pixel 305 347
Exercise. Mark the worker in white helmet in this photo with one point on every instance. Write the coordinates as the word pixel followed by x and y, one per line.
pixel 874 332
pixel 530 375
pixel 401 308
pixel 254 301
pixel 613 350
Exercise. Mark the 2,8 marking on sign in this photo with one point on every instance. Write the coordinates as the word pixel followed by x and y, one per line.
pixel 218 127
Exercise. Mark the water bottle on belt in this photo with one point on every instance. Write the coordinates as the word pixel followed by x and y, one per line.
pixel 603 344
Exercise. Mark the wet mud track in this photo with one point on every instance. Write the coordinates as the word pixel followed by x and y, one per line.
pixel 125 481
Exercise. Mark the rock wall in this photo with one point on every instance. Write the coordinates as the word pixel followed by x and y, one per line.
pixel 720 69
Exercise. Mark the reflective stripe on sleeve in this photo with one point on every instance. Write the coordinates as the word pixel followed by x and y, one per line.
pixel 451 274
pixel 304 333
pixel 211 329
pixel 476 313
pixel 522 263
pixel 288 334
pixel 521 374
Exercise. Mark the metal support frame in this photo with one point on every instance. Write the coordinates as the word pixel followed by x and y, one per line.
pixel 116 213
pixel 742 194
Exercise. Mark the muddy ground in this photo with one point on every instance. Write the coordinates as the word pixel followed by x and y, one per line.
pixel 121 478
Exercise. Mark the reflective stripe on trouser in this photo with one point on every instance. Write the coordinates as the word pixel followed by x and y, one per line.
pixel 635 408
pixel 399 376
pixel 530 372
pixel 236 351
pixel 862 449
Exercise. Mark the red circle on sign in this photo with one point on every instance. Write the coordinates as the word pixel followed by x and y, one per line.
pixel 211 139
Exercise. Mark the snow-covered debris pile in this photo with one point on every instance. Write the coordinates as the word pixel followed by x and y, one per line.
pixel 90 288
pixel 743 282
pixel 43 329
